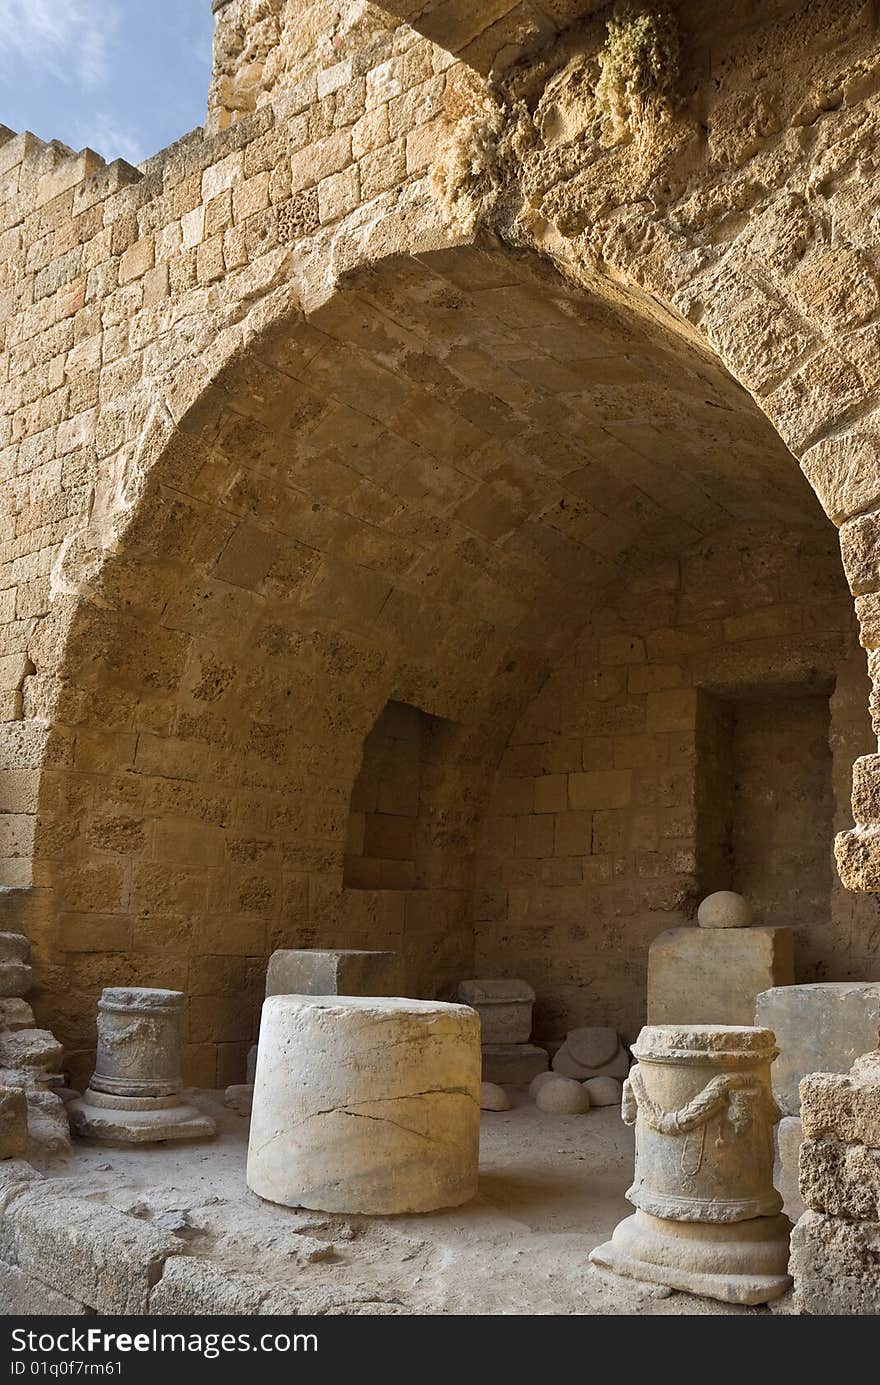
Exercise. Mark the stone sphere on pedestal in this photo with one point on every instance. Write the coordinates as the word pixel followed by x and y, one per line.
pixel 724 909
pixel 134 1093
pixel 365 1104
pixel 708 1215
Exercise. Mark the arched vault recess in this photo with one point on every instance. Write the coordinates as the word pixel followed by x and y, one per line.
pixel 420 491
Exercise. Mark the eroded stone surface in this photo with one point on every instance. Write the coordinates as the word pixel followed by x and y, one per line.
pixel 836 1265
pixel 840 1179
pixel 110 1261
pixel 844 1107
pixel 700 1098
pixel 23 1295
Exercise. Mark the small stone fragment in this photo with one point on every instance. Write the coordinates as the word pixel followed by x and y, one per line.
pixel 31 1050
pixel 724 909
pixel 48 1126
pixel 14 947
pixel 538 1082
pixel 563 1097
pixel 15 1013
pixel 240 1097
pixel 493 1097
pixel 15 979
pixel 603 1091
pixel 13 1123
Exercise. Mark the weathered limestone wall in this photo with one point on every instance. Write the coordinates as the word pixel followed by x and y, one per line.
pixel 602 831
pixel 287 433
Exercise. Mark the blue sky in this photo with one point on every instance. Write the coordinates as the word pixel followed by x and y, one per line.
pixel 125 77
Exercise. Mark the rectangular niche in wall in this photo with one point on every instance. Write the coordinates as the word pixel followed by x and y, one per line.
pixel 389 817
pixel 765 806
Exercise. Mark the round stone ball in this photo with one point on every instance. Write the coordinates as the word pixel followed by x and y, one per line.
pixel 365 1104
pixel 493 1097
pixel 724 909
pixel 538 1082
pixel 603 1091
pixel 563 1097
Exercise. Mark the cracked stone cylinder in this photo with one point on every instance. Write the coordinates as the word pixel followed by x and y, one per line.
pixel 365 1104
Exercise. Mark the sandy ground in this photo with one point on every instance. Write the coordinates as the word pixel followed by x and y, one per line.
pixel 551 1188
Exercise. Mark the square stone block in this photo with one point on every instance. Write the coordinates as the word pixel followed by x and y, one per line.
pixel 512 1065
pixel 835 1265
pixel 843 1180
pixel 712 976
pixel 310 971
pixel 822 1027
pixel 504 1007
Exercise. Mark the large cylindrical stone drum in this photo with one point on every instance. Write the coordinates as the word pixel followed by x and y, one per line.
pixel 365 1104
pixel 139 1040
pixel 704 1115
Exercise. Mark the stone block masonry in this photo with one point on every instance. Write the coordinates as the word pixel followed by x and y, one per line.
pixel 835 1244
pixel 289 432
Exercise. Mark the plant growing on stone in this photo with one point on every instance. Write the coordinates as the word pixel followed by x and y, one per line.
pixel 640 66
pixel 485 137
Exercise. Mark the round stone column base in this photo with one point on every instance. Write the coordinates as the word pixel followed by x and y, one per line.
pixel 738 1262
pixel 142 1124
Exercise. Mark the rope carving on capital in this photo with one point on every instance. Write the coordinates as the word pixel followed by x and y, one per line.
pixel 735 1089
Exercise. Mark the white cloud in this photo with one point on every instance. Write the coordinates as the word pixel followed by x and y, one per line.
pixel 99 131
pixel 68 38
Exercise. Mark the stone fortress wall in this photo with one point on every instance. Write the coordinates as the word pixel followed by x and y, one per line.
pixel 370 393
